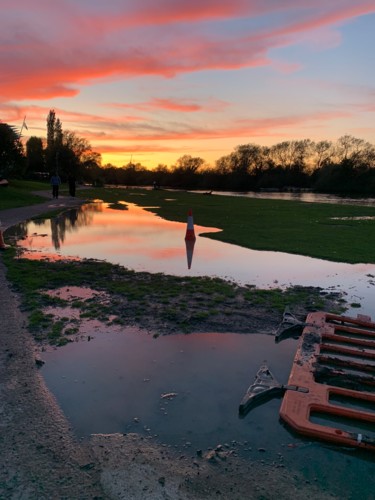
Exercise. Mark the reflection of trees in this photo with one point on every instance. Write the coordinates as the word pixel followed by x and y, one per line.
pixel 72 220
pixel 18 232
pixel 56 230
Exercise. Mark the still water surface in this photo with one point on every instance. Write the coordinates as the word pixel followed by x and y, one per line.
pixel 115 382
pixel 299 196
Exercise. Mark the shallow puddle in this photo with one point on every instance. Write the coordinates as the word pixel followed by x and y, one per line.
pixel 184 390
pixel 120 378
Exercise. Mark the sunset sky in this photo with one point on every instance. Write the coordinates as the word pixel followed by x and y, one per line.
pixel 152 80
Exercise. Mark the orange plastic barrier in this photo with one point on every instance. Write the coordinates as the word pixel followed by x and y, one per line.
pixel 341 350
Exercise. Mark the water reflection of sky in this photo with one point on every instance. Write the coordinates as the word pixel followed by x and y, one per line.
pixel 140 240
pixel 306 197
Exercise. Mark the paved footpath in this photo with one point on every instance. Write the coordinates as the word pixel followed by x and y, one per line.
pixel 13 216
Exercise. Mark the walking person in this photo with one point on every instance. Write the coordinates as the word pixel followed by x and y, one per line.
pixel 55 183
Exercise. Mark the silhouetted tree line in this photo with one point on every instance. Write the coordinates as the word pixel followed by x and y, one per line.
pixel 63 151
pixel 346 166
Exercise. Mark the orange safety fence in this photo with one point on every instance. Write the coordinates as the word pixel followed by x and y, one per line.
pixel 334 361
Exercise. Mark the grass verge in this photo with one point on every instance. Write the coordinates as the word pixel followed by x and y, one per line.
pixel 20 194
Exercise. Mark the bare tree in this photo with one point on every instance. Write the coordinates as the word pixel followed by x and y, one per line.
pixel 323 153
pixel 189 164
pixel 355 152
pixel 290 154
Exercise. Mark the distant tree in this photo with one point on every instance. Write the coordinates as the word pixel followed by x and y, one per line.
pixel 51 120
pixel 82 157
pixel 161 169
pixel 53 142
pixel 189 164
pixel 35 155
pixel 355 153
pixel 323 153
pixel 58 134
pixel 185 173
pixel 291 154
pixel 161 175
pixel 247 159
pixel 79 145
pixel 90 159
pixel 12 159
pixel 223 165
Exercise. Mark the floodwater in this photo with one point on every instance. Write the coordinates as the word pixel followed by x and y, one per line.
pixel 120 380
pixel 306 197
pixel 140 240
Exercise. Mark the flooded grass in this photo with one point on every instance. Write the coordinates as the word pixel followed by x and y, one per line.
pixel 159 303
pixel 336 232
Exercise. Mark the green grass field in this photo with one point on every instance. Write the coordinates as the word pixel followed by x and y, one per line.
pixel 20 194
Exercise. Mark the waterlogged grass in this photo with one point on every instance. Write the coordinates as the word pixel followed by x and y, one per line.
pixel 166 304
pixel 157 302
pixel 322 230
pixel 333 232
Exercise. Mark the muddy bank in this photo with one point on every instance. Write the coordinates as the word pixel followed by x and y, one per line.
pixel 133 467
pixel 40 457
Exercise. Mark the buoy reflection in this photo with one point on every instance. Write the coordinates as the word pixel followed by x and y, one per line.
pixel 189 251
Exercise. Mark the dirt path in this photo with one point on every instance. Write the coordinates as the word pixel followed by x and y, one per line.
pixel 41 458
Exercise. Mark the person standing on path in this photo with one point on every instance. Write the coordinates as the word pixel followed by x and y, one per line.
pixel 72 186
pixel 55 183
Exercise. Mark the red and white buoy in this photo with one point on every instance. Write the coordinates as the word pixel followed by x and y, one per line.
pixel 190 235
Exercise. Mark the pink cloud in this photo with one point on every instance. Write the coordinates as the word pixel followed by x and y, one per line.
pixel 242 128
pixel 50 50
pixel 178 105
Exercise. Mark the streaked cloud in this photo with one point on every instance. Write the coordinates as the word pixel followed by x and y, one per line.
pixel 69 55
